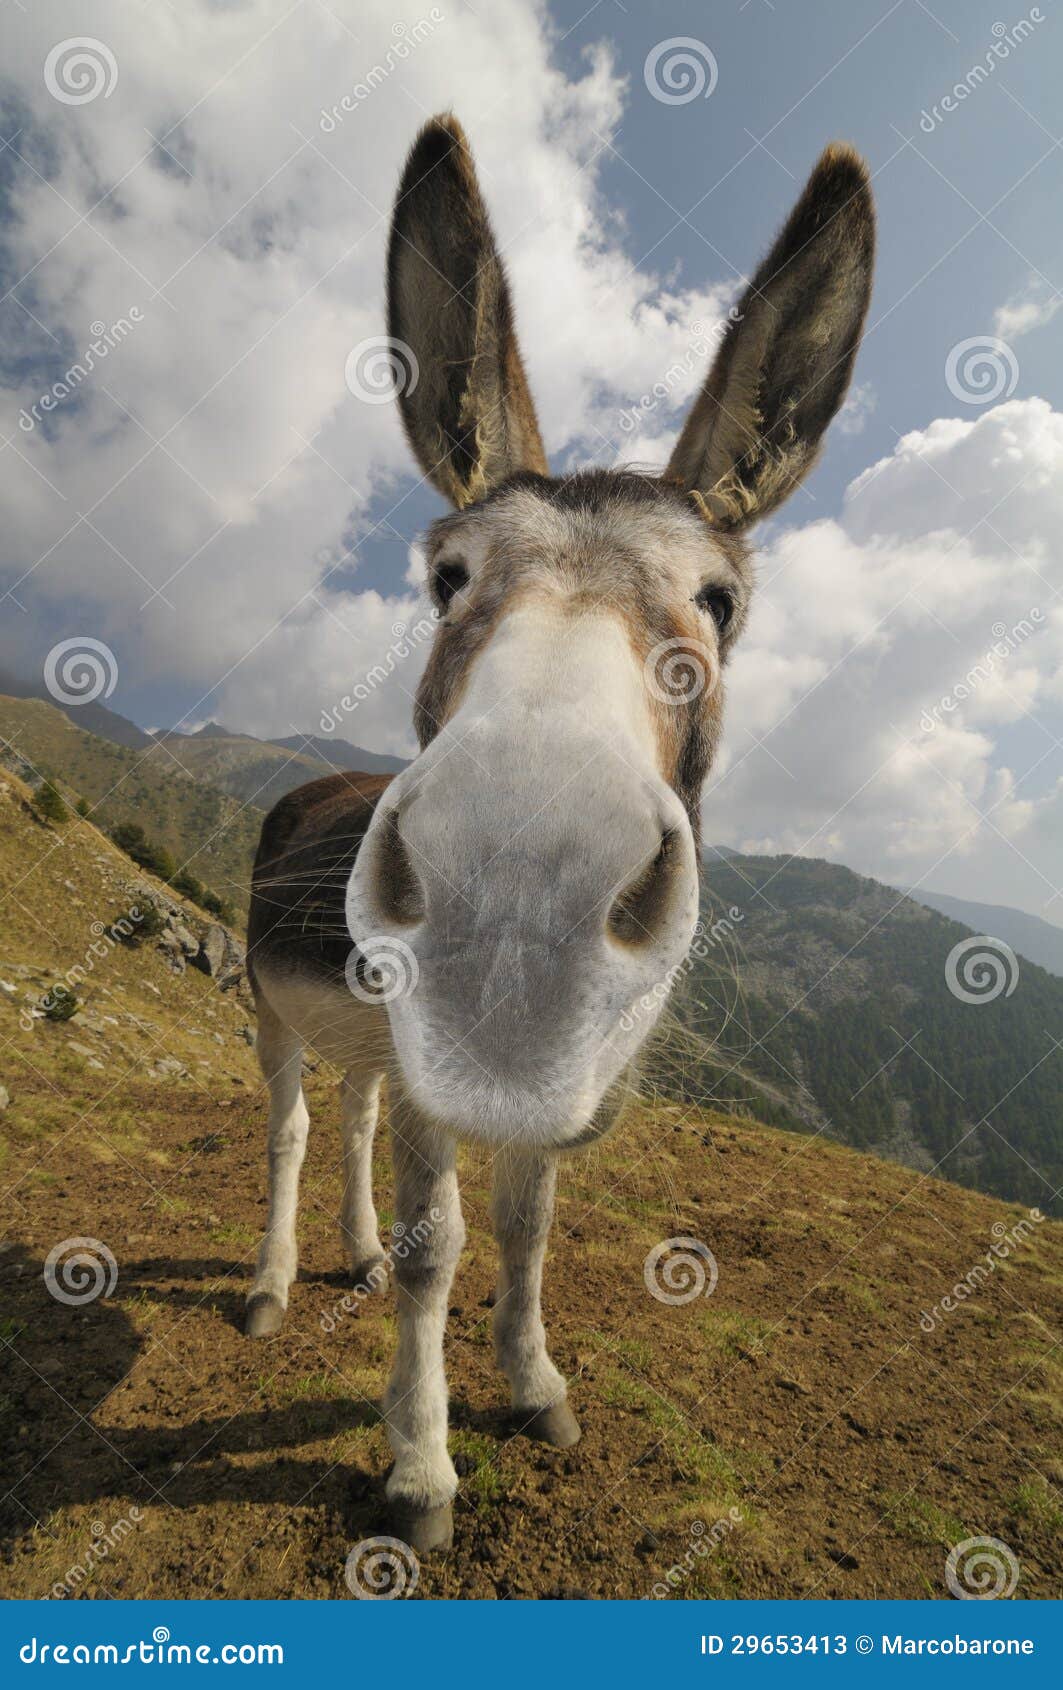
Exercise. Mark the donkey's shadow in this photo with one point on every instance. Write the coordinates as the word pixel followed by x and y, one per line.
pixel 63 1364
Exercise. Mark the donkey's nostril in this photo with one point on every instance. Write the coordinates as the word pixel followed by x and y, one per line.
pixel 636 916
pixel 399 894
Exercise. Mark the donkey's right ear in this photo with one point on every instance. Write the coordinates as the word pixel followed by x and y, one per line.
pixel 464 397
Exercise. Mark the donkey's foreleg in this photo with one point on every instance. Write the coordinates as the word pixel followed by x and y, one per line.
pixel 522 1209
pixel 423 1481
pixel 280 1054
pixel 359 1108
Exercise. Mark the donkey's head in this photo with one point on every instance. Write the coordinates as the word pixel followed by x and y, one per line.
pixel 540 857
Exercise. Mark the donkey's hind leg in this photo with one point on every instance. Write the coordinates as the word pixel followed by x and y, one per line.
pixel 359 1109
pixel 280 1055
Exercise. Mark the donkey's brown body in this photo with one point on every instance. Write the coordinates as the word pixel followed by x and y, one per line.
pixel 306 852
pixel 492 926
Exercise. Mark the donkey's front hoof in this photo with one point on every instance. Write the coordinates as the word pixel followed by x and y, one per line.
pixel 428 1531
pixel 555 1425
pixel 264 1317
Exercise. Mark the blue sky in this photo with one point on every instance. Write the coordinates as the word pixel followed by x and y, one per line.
pixel 216 507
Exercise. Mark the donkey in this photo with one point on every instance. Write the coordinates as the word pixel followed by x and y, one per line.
pixel 487 928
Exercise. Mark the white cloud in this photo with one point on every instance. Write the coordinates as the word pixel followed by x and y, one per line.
pixel 1026 311
pixel 215 452
pixel 860 402
pixel 901 669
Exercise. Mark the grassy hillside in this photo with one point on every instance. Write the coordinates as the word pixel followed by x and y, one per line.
pixel 145 1010
pixel 820 1003
pixel 799 1431
pixel 209 832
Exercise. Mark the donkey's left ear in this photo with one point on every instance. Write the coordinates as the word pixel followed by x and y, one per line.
pixel 467 409
pixel 787 355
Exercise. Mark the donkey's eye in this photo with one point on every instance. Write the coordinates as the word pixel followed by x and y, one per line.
pixel 448 579
pixel 718 603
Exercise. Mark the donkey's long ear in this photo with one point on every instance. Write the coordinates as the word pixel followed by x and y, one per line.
pixel 468 414
pixel 787 355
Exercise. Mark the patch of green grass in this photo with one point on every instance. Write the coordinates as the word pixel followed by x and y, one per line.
pixel 145 1306
pixel 476 1457
pixel 718 1474
pixel 10 1329
pixel 1038 1504
pixel 233 1232
pixel 861 1295
pixel 734 1334
pixel 922 1520
pixel 634 1350
pixel 317 1385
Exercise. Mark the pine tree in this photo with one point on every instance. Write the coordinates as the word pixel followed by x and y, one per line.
pixel 49 803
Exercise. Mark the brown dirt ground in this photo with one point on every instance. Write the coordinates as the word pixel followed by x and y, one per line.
pixel 853 1447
